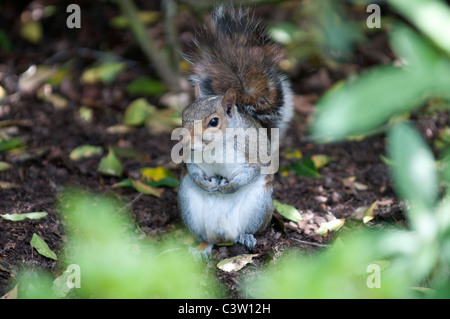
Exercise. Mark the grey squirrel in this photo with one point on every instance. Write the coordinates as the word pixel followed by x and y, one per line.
pixel 237 86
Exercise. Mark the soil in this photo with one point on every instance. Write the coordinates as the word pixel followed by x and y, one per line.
pixel 355 177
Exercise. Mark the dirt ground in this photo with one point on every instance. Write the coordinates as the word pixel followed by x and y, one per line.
pixel 355 177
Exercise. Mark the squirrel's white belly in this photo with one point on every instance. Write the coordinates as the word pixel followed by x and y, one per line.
pixel 219 218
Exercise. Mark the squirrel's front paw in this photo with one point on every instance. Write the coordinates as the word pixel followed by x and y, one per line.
pixel 226 186
pixel 209 185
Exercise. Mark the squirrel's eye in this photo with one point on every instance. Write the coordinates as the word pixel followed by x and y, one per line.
pixel 214 122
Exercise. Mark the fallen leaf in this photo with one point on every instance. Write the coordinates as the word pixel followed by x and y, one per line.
pixel 333 225
pixel 146 86
pixel 137 112
pixel 129 152
pixel 12 294
pixel 155 173
pixel 41 246
pixel 85 151
pixel 4 166
pixel 31 30
pixel 359 212
pixel 295 154
pixel 45 93
pixel 121 22
pixel 20 217
pixel 15 142
pixel 305 168
pixel 105 72
pixel 351 182
pixel 34 76
pixel 158 176
pixel 124 183
pixel 8 185
pixel 348 181
pixel 163 121
pixel 144 188
pixel 360 186
pixel 320 160
pixel 235 263
pixel 119 129
pixel 287 211
pixel 369 213
pixel 86 114
pixel 110 165
pixel 2 93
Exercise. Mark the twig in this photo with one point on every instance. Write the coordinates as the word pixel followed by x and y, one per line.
pixel 310 243
pixel 169 8
pixel 167 251
pixel 168 74
pixel 131 203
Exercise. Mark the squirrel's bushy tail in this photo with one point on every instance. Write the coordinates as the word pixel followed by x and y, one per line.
pixel 235 52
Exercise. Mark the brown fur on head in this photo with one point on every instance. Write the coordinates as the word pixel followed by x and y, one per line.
pixel 212 112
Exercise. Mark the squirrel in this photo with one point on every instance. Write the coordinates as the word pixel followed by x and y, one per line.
pixel 237 86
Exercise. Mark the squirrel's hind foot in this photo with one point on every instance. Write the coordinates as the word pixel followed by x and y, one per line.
pixel 248 240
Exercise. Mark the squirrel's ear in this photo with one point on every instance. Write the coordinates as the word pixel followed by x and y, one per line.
pixel 197 92
pixel 228 101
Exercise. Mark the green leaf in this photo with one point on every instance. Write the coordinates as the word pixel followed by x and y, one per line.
pixel 85 151
pixel 8 185
pixel 412 47
pixel 42 247
pixel 110 165
pixel 12 143
pixel 158 176
pixel 146 86
pixel 106 72
pixel 129 152
pixel 143 185
pixel 333 225
pixel 284 32
pixel 137 112
pixel 287 211
pixel 5 44
pixel 432 17
pixel 124 183
pixel 320 160
pixel 4 166
pixel 370 100
pixel 31 31
pixel 58 101
pixel 86 114
pixel 305 168
pixel 147 17
pixel 171 182
pixel 414 169
pixel 143 188
pixel 368 214
pixel 20 217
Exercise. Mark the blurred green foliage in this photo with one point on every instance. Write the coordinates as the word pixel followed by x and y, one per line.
pixel 419 256
pixel 113 263
pixel 321 32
